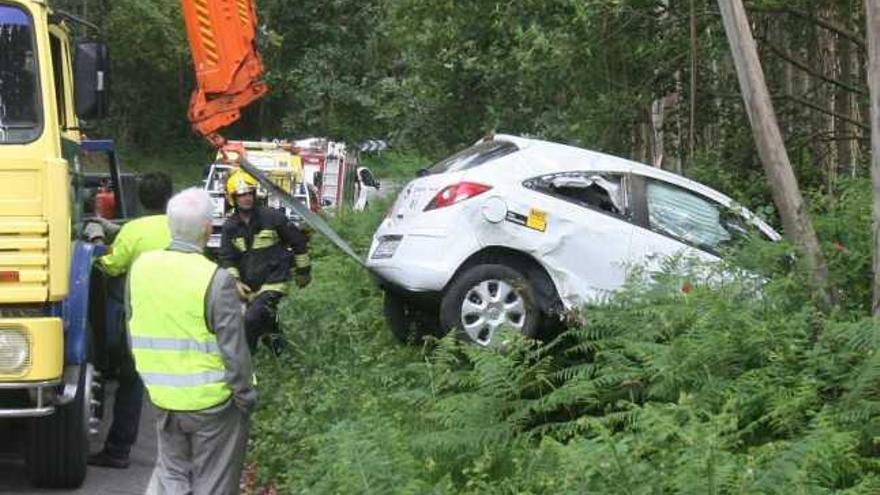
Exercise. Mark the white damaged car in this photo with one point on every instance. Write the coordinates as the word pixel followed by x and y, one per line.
pixel 513 231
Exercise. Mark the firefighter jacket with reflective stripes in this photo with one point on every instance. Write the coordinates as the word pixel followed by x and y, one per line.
pixel 262 251
pixel 136 237
pixel 175 353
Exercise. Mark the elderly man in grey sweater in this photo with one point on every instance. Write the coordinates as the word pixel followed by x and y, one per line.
pixel 188 341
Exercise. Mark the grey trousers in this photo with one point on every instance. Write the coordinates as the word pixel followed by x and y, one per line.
pixel 201 452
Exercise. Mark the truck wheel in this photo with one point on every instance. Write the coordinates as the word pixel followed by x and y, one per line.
pixel 58 445
pixel 409 324
pixel 485 298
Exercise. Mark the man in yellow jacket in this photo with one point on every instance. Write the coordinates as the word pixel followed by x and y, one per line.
pixel 136 237
pixel 189 348
pixel 142 234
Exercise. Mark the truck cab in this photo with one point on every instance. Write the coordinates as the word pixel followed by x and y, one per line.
pixel 48 86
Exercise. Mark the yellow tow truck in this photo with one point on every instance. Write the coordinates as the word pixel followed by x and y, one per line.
pixel 49 86
pixel 58 322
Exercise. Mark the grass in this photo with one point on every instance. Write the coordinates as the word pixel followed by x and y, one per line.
pixel 186 166
pixel 395 165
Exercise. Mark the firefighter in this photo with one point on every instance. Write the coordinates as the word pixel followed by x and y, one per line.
pixel 144 234
pixel 189 347
pixel 262 249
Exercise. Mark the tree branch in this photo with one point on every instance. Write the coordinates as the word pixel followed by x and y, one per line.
pixel 788 57
pixel 824 110
pixel 853 36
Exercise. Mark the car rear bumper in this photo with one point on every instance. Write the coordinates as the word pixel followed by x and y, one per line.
pixel 421 262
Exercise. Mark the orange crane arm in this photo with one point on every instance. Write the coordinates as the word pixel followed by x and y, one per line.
pixel 229 77
pixel 229 71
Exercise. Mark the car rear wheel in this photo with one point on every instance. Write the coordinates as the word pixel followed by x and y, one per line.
pixel 408 322
pixel 486 298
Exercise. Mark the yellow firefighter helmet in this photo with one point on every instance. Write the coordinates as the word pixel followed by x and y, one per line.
pixel 239 182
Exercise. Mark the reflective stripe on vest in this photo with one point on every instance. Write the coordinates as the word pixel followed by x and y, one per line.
pixel 174 345
pixel 171 380
pixel 175 353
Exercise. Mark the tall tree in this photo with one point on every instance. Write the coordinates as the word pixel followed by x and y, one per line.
pixel 692 103
pixel 771 148
pixel 873 18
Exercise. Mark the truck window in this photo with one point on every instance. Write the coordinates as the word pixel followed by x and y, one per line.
pixel 58 75
pixel 20 117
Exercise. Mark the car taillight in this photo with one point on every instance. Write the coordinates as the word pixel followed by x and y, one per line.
pixel 456 193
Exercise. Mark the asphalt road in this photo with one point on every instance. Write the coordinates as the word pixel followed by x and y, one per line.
pixel 99 481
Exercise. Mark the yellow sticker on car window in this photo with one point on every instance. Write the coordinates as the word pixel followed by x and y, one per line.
pixel 537 220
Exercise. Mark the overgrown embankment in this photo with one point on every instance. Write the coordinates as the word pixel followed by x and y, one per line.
pixel 706 390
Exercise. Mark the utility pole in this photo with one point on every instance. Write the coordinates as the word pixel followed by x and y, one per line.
pixel 771 148
pixel 872 10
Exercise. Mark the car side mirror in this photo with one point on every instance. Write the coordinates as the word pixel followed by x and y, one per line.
pixel 91 70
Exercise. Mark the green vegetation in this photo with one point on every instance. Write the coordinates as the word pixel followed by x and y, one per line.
pixel 708 390
pixel 396 165
pixel 713 390
pixel 186 166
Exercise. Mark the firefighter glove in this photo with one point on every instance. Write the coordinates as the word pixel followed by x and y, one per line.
pixel 93 232
pixel 302 273
pixel 109 227
pixel 244 291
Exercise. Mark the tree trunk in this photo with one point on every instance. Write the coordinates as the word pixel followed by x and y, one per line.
pixel 676 158
pixel 846 144
pixel 658 140
pixel 639 146
pixel 692 103
pixel 771 148
pixel 826 150
pixel 660 108
pixel 872 9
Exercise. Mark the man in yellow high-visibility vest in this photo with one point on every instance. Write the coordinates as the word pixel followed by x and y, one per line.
pixel 188 341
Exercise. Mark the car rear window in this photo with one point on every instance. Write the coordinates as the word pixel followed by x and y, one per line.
pixel 474 156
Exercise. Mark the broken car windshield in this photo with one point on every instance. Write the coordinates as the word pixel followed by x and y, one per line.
pixel 595 190
pixel 19 102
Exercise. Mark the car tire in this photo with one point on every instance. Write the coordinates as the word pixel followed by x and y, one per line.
pixel 58 444
pixel 408 323
pixel 485 298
